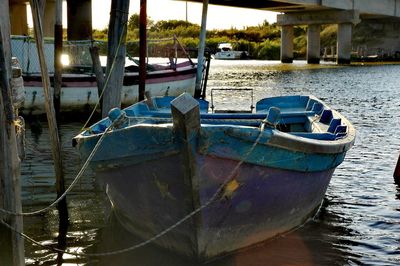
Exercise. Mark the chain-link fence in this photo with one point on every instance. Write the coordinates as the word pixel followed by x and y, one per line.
pixel 77 54
pixel 24 48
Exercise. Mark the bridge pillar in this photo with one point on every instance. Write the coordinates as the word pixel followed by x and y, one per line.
pixel 18 19
pixel 79 16
pixel 345 19
pixel 344 35
pixel 287 44
pixel 313 44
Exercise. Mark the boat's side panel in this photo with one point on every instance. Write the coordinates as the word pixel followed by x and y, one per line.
pixel 75 94
pixel 228 55
pixel 150 197
pixel 252 145
pixel 124 147
pixel 256 204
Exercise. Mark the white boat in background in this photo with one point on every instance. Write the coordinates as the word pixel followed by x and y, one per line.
pixel 79 92
pixel 225 52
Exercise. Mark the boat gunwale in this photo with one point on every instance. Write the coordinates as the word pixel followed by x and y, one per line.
pixel 277 139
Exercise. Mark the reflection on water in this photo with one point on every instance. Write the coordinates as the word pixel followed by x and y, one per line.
pixel 358 222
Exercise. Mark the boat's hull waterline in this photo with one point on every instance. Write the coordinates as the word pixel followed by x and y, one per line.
pixel 233 185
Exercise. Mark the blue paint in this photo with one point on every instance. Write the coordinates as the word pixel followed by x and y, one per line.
pixel 326 116
pixel 274 115
pixel 238 130
pixel 278 173
pixel 334 124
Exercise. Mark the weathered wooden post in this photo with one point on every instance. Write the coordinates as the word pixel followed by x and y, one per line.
pixel 115 55
pixel 11 244
pixel 202 47
pixel 203 95
pixel 142 48
pixel 50 113
pixel 186 123
pixel 396 173
pixel 98 70
pixel 58 46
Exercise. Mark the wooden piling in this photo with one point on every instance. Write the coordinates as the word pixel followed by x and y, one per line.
pixel 202 47
pixel 142 48
pixel 204 88
pixel 396 173
pixel 49 105
pixel 98 70
pixel 11 243
pixel 58 46
pixel 116 49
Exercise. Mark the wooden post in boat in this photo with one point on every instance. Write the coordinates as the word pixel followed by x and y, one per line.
pixel 49 105
pixel 58 46
pixel 11 243
pixel 98 70
pixel 142 48
pixel 202 47
pixel 115 55
pixel 396 173
pixel 186 123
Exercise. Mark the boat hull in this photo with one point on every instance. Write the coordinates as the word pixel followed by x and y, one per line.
pixel 224 183
pixel 257 203
pixel 230 55
pixel 79 92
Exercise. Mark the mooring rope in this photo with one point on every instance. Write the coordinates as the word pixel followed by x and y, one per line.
pixel 76 179
pixel 106 82
pixel 162 233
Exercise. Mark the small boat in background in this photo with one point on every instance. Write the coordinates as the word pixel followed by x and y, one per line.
pixel 79 91
pixel 221 181
pixel 225 52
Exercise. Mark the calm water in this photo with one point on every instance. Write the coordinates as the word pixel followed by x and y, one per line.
pixel 359 222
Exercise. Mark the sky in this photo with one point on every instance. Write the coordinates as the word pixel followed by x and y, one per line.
pixel 218 17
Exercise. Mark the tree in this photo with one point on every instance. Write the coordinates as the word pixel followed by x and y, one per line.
pixel 134 20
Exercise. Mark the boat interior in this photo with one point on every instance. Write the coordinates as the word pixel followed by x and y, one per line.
pixel 301 116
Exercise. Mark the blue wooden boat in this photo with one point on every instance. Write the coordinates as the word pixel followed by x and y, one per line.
pixel 238 178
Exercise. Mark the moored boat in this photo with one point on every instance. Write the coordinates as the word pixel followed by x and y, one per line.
pixel 235 179
pixel 79 92
pixel 225 52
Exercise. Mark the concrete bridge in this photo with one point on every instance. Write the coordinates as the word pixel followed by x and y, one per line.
pixel 365 7
pixel 313 13
pixel 79 17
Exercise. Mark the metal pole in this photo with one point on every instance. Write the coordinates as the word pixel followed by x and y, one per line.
pixel 142 48
pixel 58 46
pixel 202 46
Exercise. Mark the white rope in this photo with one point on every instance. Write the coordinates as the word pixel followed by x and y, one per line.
pixel 77 178
pixel 162 233
pixel 105 84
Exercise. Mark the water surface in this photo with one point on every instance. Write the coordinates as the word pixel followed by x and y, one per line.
pixel 359 221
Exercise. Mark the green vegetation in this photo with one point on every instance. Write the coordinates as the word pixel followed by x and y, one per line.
pixel 262 41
